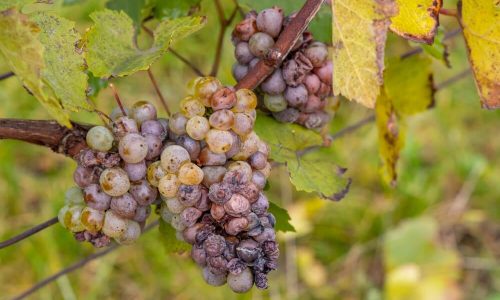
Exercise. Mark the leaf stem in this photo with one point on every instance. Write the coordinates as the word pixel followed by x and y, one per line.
pixel 451 12
pixel 224 24
pixel 28 233
pixel 158 92
pixel 117 98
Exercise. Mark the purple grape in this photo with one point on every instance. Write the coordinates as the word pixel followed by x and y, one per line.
pixel 154 145
pixel 289 115
pixel 143 192
pixel 270 21
pixel 124 125
pixel 317 53
pixel 136 171
pixel 239 71
pixel 209 158
pixel 189 195
pixel 84 177
pixel 325 72
pixel 153 127
pixel 190 215
pixel 242 53
pixel 142 213
pixel 192 146
pixel 124 206
pixel 96 198
pixel 296 96
pixel 261 205
pixel 312 83
pixel 260 43
pixel 274 84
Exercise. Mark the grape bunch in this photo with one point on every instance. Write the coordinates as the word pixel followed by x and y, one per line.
pixel 113 198
pixel 297 92
pixel 210 178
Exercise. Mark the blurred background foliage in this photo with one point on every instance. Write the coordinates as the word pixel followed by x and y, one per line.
pixel 434 236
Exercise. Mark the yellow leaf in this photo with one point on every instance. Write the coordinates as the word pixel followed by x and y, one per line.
pixel 391 136
pixel 359 34
pixel 480 21
pixel 417 20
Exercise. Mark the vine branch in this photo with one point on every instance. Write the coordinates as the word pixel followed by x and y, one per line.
pixel 46 133
pixel 224 24
pixel 6 75
pixel 282 47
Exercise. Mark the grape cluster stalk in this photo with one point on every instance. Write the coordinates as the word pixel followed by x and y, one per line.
pixel 297 91
pixel 205 170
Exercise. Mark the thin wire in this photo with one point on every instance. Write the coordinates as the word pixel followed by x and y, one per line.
pixel 75 266
pixel 28 233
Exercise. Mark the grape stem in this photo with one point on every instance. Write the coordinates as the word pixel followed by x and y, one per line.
pixel 117 98
pixel 282 47
pixel 224 24
pixel 28 233
pixel 6 75
pixel 158 92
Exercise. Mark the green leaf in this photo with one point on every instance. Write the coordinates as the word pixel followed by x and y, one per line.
pixel 111 50
pixel 282 218
pixel 171 243
pixel 64 64
pixel 409 84
pixel 417 20
pixel 132 8
pixel 359 35
pixel 438 49
pixel 479 20
pixel 174 8
pixel 391 137
pixel 24 53
pixel 285 139
pixel 95 85
pixel 316 172
pixel 311 172
pixel 321 25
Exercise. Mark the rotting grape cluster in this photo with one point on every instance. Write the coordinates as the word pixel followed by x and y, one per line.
pixel 204 168
pixel 297 91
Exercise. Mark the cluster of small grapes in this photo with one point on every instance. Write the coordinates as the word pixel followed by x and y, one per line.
pixel 211 178
pixel 112 199
pixel 297 91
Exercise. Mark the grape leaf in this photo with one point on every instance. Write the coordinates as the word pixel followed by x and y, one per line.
pixel 391 137
pixel 479 20
pixel 417 20
pixel 96 84
pixel 132 8
pixel 285 139
pixel 24 53
pixel 174 8
pixel 408 90
pixel 111 50
pixel 409 84
pixel 171 243
pixel 64 66
pixel 438 49
pixel 359 35
pixel 313 171
pixel 316 172
pixel 282 218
